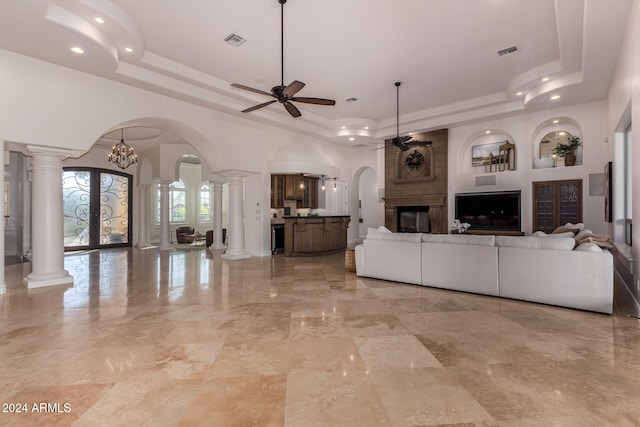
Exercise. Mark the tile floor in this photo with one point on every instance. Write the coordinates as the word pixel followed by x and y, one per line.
pixel 187 339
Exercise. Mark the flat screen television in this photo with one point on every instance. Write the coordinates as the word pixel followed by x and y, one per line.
pixel 497 210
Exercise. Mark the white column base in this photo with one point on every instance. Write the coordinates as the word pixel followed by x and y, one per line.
pixel 33 281
pixel 166 247
pixel 232 257
pixel 215 245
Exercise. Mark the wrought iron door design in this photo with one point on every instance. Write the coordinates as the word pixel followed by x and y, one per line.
pixel 96 206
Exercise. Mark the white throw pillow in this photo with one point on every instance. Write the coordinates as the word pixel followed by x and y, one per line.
pixel 588 247
pixel 383 229
pixel 539 234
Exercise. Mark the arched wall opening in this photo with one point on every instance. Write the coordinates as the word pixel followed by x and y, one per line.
pixel 370 209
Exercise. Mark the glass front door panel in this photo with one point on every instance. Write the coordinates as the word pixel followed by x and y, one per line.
pixel 114 209
pixel 96 204
pixel 76 200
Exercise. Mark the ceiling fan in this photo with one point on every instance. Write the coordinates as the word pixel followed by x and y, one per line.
pixel 284 94
pixel 403 142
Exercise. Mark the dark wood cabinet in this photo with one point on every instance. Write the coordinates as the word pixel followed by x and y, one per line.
pixel 309 193
pixel 292 188
pixel 556 203
pixel 277 191
pixel 287 187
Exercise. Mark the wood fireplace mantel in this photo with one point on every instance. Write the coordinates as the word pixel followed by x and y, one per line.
pixel 429 200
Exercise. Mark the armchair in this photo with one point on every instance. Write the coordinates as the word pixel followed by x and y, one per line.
pixel 182 232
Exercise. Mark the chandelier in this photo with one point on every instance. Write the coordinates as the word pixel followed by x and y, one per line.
pixel 122 154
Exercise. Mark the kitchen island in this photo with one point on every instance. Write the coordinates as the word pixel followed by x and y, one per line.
pixel 315 235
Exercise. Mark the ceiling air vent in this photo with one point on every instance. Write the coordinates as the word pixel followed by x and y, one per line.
pixel 507 51
pixel 234 40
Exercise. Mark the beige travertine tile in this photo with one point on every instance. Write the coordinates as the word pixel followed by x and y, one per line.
pixel 185 338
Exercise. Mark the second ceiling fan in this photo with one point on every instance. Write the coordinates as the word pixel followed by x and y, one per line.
pixel 284 94
pixel 403 142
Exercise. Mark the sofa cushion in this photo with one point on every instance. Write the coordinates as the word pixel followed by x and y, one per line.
pixel 565 234
pixel 396 237
pixel 460 239
pixel 533 242
pixel 554 234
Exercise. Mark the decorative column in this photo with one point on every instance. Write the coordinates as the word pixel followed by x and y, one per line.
pixel 143 217
pixel 164 217
pixel 235 233
pixel 218 242
pixel 47 263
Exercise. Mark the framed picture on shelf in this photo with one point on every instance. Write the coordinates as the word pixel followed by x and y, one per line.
pixel 482 155
pixel 608 191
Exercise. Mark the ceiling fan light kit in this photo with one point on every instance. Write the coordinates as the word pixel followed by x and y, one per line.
pixel 284 94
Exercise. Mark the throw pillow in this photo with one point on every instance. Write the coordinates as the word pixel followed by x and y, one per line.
pixel 539 234
pixel 575 228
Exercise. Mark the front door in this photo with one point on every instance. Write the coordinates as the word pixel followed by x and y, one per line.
pixel 96 205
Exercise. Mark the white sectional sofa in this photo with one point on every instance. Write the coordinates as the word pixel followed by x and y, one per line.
pixel 546 270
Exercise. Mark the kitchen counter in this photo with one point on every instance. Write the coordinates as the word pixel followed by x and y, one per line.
pixel 315 235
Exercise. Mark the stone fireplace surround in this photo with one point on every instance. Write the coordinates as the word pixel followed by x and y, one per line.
pixel 428 189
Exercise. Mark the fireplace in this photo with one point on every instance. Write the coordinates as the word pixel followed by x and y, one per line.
pixel 432 207
pixel 413 219
pixel 415 200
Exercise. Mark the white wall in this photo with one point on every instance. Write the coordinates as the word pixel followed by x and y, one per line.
pixel 526 130
pixel 73 110
pixel 624 97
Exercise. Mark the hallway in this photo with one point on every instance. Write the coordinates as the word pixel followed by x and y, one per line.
pixel 186 338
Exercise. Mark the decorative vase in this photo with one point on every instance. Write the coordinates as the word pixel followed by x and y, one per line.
pixel 569 159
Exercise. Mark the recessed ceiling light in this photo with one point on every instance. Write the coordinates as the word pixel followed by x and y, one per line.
pixel 344 127
pixel 366 128
pixel 128 49
pixel 545 79
pixel 76 49
pixel 554 97
pixel 487 132
pixel 98 20
pixel 352 139
pixel 519 93
pixel 555 122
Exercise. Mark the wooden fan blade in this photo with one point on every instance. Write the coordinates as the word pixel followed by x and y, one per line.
pixel 250 89
pixel 293 88
pixel 292 109
pixel 318 101
pixel 255 107
pixel 402 139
